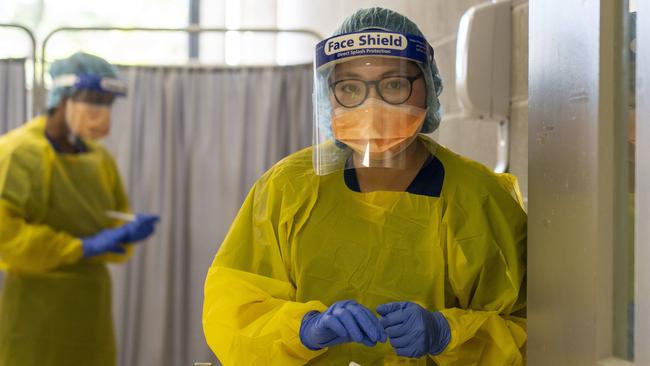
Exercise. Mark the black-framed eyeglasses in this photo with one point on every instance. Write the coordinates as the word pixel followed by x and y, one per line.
pixel 351 93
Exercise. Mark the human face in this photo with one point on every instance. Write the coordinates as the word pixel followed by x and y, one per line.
pixel 379 106
pixel 88 114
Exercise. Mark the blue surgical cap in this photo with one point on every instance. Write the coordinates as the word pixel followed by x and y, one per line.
pixel 385 19
pixel 78 64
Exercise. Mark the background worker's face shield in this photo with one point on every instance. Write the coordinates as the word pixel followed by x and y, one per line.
pixel 89 120
pixel 88 108
pixel 370 99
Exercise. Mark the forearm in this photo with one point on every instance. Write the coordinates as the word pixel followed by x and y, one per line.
pixel 250 319
pixel 33 247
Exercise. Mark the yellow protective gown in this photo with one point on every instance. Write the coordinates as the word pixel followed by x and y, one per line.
pixel 302 242
pixel 55 307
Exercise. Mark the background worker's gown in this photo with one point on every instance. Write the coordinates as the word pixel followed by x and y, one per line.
pixel 55 307
pixel 302 242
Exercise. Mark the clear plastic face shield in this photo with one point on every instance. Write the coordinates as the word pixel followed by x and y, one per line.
pixel 88 109
pixel 369 99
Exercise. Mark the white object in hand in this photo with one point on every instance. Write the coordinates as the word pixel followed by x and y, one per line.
pixel 123 216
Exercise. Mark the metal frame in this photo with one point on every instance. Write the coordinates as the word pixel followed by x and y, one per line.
pixel 32 38
pixel 193 31
pixel 195 20
pixel 642 296
pixel 577 182
pixel 571 183
pixel 190 30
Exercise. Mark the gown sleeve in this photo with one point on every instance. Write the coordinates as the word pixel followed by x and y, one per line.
pixel 250 312
pixel 486 259
pixel 28 246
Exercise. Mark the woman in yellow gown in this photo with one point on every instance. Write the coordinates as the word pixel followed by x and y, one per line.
pixel 56 186
pixel 376 245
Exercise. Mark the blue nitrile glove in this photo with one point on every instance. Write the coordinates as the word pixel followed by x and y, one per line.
pixel 140 229
pixel 343 322
pixel 413 330
pixel 109 240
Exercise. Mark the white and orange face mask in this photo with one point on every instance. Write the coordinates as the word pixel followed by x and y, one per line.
pixel 87 120
pixel 376 128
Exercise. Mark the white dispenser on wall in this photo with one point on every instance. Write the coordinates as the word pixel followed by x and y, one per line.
pixel 483 54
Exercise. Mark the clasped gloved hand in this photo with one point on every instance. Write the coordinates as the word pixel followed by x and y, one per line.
pixel 343 322
pixel 413 330
pixel 140 229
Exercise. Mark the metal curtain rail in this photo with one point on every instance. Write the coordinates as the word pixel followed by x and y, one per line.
pixel 39 93
pixel 190 30
pixel 32 39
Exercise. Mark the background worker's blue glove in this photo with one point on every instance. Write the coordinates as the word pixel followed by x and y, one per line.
pixel 343 322
pixel 109 240
pixel 413 330
pixel 140 229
